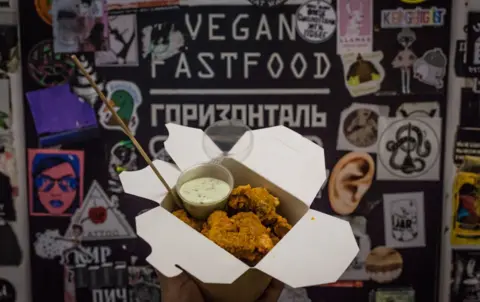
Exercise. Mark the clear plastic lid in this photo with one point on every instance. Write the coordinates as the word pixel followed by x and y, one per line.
pixel 225 135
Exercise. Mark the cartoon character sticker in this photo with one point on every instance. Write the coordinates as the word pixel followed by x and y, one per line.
pixel 55 181
pixel 125 98
pixel 48 68
pixel 405 58
pixel 123 157
pixel 363 72
pixel 355 29
pixel 431 68
pixel 99 219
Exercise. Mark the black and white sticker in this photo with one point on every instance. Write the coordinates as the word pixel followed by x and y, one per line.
pixel 404 220
pixel 473 44
pixel 267 3
pixel 409 149
pixel 7 291
pixel 316 21
pixel 99 218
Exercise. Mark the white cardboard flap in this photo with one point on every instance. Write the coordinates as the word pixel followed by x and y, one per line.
pixel 175 243
pixel 279 154
pixel 317 250
pixel 185 145
pixel 144 183
pixel 287 159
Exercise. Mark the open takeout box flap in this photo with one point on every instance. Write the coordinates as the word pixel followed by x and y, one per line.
pixel 317 250
pixel 144 183
pixel 279 154
pixel 174 243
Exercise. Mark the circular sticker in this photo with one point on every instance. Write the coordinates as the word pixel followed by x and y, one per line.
pixel 48 68
pixel 360 127
pixel 316 21
pixel 43 8
pixel 408 148
pixel 267 3
pixel 7 291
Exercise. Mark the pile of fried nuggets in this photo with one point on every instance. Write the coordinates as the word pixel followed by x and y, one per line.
pixel 253 228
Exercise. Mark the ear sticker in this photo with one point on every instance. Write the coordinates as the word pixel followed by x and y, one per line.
pixel 48 68
pixel 356 270
pixel 123 43
pixel 349 180
pixel 355 28
pixel 431 68
pixel 424 109
pixel 363 72
pixel 404 220
pixel 358 129
pixel 125 97
pixel 384 264
pixel 55 179
pixel 99 219
pixel 409 149
pixel 316 21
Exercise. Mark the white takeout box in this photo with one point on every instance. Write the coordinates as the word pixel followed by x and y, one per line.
pixel 317 250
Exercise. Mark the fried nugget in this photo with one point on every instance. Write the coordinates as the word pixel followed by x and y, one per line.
pixel 192 222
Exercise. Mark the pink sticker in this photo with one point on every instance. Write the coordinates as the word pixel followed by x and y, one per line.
pixel 55 181
pixel 354 26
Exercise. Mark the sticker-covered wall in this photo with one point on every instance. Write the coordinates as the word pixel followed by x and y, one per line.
pixel 362 78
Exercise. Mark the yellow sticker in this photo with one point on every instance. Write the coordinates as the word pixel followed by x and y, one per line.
pixel 43 8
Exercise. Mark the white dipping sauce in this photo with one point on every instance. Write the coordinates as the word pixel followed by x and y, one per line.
pixel 204 190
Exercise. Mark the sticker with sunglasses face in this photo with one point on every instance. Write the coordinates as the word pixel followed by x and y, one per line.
pixel 55 181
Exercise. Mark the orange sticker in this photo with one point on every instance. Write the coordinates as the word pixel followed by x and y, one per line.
pixel 43 8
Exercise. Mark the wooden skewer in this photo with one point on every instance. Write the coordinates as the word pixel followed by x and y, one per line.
pixel 124 127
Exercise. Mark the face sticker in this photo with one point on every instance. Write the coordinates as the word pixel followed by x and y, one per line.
pixel 43 8
pixel 358 129
pixel 7 291
pixel 161 41
pixel 79 26
pixel 355 30
pixel 48 68
pixel 316 21
pixel 394 295
pixel 465 275
pixel 384 264
pixel 125 98
pixel 409 149
pixel 363 72
pixel 431 68
pixel 414 17
pixel 80 85
pixel 267 3
pixel 404 220
pixel 356 270
pixel 123 157
pixel 55 181
pixel 99 219
pixel 349 180
pixel 424 109
pixel 144 284
pixel 405 58
pixel 123 38
pixel 294 294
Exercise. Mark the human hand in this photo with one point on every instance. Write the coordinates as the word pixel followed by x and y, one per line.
pixel 183 289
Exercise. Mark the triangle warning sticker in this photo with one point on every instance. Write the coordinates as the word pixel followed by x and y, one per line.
pixel 99 219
